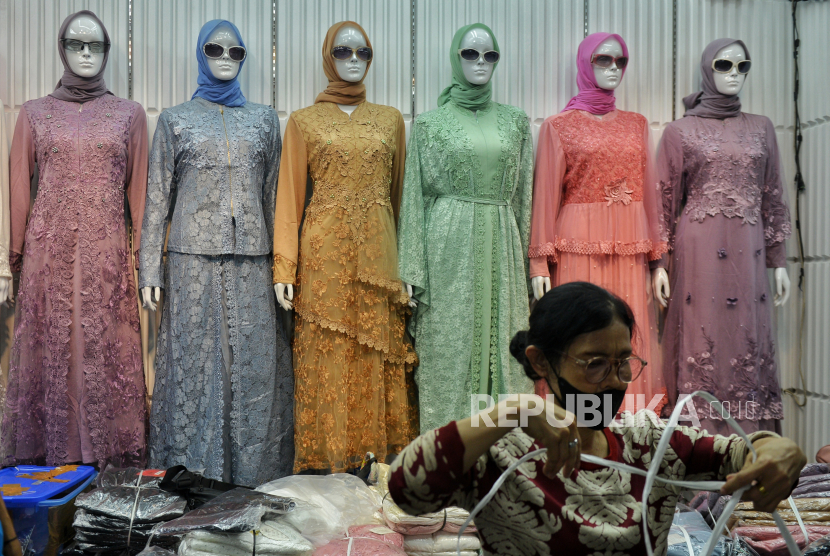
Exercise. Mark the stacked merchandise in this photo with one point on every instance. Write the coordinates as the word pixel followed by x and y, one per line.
pixel 365 540
pixel 118 516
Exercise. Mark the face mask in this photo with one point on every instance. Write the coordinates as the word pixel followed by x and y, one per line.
pixel 595 411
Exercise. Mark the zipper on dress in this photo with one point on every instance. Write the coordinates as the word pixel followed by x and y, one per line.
pixel 230 176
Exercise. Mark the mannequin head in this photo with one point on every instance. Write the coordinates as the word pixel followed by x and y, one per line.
pixel 477 72
pixel 732 82
pixel 224 67
pixel 608 78
pixel 352 69
pixel 84 63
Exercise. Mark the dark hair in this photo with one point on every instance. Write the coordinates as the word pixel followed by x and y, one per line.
pixel 564 313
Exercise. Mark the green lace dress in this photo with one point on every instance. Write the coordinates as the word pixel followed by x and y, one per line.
pixel 462 243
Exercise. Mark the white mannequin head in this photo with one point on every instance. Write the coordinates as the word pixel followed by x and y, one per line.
pixel 477 72
pixel 353 68
pixel 608 78
pixel 84 63
pixel 730 83
pixel 223 68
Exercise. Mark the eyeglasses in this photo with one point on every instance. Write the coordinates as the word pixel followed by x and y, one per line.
pixel 605 61
pixel 597 369
pixel 216 51
pixel 96 47
pixel 722 65
pixel 345 52
pixel 471 55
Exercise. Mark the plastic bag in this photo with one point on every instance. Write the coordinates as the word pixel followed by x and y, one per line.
pixel 768 540
pixel 118 502
pixel 326 504
pixel 156 551
pixel 272 537
pixel 820 547
pixel 132 476
pixel 440 542
pixel 377 532
pixel 689 534
pixel 236 511
pixel 359 547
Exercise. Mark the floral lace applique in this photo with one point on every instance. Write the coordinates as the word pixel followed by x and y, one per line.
pixel 618 192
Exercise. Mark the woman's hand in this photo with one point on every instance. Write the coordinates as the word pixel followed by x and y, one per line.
pixel 555 429
pixel 772 474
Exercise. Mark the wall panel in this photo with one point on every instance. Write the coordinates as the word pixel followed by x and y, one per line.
pixel 815 201
pixel 813 26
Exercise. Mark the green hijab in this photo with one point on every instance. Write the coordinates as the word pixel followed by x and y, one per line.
pixel 462 92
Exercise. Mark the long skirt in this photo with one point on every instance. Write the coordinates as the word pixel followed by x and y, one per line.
pixel 223 398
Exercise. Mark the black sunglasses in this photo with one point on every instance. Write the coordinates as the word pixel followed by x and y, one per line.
pixel 215 51
pixel 95 47
pixel 341 52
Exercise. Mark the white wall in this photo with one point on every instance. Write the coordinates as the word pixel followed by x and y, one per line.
pixel 538 38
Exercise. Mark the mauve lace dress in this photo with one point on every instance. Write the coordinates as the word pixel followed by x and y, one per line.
pixel 76 379
pixel 726 212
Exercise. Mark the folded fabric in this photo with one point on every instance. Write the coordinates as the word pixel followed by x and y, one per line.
pixel 359 547
pixel 816 468
pixel 786 515
pixel 774 546
pixel 770 523
pixel 439 542
pixel 768 533
pixel 377 532
pixel 272 537
pixel 820 547
pixel 802 504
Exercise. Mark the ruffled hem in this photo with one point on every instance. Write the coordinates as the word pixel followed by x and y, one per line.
pixel 583 247
pixel 394 287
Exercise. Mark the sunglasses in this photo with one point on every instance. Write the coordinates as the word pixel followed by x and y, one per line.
pixel 605 61
pixel 216 51
pixel 345 52
pixel 597 369
pixel 723 65
pixel 96 47
pixel 471 55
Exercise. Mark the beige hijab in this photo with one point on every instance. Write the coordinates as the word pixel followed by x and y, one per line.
pixel 339 91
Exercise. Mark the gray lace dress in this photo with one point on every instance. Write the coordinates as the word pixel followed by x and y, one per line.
pixel 726 213
pixel 223 398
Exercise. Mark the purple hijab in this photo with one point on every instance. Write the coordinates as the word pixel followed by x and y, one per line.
pixel 72 87
pixel 592 98
pixel 709 103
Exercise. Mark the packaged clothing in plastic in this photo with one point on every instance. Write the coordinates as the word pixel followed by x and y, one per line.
pixel 236 511
pixel 449 520
pixel 156 551
pixel 327 505
pixel 767 541
pixel 438 543
pixel 820 547
pixel 139 504
pixel 359 547
pixel 133 476
pixel 689 534
pixel 815 469
pixel 802 504
pixel 272 537
pixel 377 532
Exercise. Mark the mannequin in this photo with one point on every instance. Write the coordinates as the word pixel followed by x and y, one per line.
pixel 596 212
pixel 463 235
pixel 726 213
pixel 220 344
pixel 76 383
pixel 352 360
pixel 5 270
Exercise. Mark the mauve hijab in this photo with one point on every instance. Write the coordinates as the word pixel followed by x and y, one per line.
pixel 340 91
pixel 72 87
pixel 591 97
pixel 709 103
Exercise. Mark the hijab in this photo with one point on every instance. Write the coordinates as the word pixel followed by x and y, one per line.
pixel 221 91
pixel 461 92
pixel 591 97
pixel 73 87
pixel 339 91
pixel 709 103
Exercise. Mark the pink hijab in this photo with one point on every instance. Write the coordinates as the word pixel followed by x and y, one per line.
pixel 591 97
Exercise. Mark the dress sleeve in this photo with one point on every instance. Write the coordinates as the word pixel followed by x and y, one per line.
pixel 652 202
pixel 775 212
pixel 411 247
pixel 523 195
pixel 291 192
pixel 22 167
pixel 161 186
pixel 671 184
pixel 428 474
pixel 5 270
pixel 269 187
pixel 136 175
pixel 547 197
pixel 398 169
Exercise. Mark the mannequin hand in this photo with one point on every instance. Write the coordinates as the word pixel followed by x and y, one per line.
pixel 782 286
pixel 408 289
pixel 5 289
pixel 660 285
pixel 285 295
pixel 147 301
pixel 540 285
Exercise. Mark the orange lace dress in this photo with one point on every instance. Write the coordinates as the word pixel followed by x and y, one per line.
pixel 596 219
pixel 352 361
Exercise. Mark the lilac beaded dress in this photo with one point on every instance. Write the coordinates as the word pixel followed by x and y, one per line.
pixel 726 212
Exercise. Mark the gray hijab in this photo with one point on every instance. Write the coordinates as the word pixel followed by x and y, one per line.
pixel 72 87
pixel 709 103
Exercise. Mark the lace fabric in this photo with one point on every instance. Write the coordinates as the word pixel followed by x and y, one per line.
pixel 5 270
pixel 463 235
pixel 352 359
pixel 223 397
pixel 719 334
pixel 76 383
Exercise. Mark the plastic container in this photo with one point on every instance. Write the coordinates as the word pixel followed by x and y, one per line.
pixel 46 506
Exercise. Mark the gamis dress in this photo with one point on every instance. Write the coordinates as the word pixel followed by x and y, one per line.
pixel 465 221
pixel 352 360
pixel 726 210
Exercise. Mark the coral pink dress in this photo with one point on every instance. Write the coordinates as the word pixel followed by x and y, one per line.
pixel 596 219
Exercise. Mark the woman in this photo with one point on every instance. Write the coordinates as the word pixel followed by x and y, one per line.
pixel 579 342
